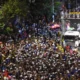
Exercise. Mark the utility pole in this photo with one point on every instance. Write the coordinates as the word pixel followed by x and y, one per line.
pixel 62 25
pixel 53 5
pixel 53 9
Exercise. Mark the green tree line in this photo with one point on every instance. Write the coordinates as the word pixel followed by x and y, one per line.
pixel 22 8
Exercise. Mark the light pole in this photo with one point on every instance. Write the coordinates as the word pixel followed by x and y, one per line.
pixel 62 25
pixel 63 21
pixel 53 9
pixel 53 5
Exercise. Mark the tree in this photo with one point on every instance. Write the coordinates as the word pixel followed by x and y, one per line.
pixel 57 5
pixel 14 7
pixel 40 8
pixel 44 7
pixel 1 21
pixel 8 12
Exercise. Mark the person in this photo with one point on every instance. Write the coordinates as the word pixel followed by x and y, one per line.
pixel 39 61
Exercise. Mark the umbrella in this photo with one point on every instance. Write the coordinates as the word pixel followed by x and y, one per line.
pixel 55 26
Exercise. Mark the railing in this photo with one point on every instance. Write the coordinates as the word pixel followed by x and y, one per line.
pixel 71 15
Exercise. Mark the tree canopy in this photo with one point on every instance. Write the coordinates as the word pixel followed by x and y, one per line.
pixel 22 7
pixel 14 7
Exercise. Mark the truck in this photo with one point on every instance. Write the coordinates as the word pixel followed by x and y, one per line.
pixel 71 38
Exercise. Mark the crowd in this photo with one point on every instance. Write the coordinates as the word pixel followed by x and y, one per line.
pixel 36 53
pixel 38 59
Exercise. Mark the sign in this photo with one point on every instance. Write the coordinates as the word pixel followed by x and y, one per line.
pixel 74 12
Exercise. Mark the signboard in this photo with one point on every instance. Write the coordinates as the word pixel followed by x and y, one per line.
pixel 74 12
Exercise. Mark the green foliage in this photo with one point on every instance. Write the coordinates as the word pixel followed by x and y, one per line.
pixel 8 29
pixel 1 20
pixel 21 8
pixel 14 7
pixel 41 7
pixel 2 25
pixel 1 16
pixel 57 5
pixel 44 7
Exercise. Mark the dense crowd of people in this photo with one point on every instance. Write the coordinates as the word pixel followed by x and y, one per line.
pixel 38 59
pixel 37 53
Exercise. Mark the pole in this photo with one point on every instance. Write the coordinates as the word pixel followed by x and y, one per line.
pixel 53 9
pixel 62 22
pixel 53 5
pixel 62 25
